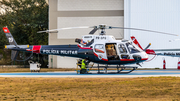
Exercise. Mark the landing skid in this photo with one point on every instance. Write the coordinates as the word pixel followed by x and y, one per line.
pixel 120 69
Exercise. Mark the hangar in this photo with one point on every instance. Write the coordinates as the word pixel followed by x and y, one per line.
pixel 72 13
pixel 159 15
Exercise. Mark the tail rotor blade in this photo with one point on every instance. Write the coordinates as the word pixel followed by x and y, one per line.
pixel 147 47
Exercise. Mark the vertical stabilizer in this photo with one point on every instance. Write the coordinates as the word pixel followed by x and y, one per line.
pixel 14 54
pixel 11 41
pixel 9 36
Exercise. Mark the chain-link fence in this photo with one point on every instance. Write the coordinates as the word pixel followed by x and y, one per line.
pixel 5 58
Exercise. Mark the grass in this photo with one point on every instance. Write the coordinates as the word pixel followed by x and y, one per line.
pixel 96 89
pixel 10 70
pixel 80 89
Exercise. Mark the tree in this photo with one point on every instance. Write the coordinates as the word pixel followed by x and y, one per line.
pixel 3 40
pixel 24 18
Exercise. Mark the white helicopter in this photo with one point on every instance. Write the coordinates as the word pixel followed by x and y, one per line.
pixel 100 49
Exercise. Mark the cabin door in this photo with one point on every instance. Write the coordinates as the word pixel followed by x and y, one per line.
pixel 100 52
pixel 123 54
pixel 111 51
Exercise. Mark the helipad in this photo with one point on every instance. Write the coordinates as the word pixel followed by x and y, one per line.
pixel 73 74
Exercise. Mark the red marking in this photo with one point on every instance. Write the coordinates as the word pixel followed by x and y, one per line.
pixel 98 50
pixel 132 59
pixel 127 59
pixel 6 30
pixel 150 51
pixel 136 42
pixel 84 47
pixel 36 49
pixel 28 50
pixel 102 58
pixel 95 54
pixel 144 59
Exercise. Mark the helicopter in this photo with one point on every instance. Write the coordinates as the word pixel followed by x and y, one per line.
pixel 100 49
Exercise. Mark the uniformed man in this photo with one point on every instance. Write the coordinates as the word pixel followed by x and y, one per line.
pixel 83 66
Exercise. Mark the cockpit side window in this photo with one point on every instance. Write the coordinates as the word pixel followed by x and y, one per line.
pixel 122 48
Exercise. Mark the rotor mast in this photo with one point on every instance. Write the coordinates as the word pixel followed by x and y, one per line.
pixel 102 28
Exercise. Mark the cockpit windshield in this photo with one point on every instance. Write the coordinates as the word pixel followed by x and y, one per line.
pixel 133 48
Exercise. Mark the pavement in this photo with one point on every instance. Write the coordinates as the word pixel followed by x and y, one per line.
pixel 94 74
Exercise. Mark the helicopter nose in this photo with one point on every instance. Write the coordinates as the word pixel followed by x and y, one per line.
pixel 145 55
pixel 137 57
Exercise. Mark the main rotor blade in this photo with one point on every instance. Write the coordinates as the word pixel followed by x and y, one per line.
pixel 166 49
pixel 47 31
pixel 53 30
pixel 110 27
pixel 93 31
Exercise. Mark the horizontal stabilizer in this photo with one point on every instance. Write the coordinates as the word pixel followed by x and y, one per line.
pixel 19 46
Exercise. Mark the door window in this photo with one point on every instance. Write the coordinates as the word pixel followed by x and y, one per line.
pixel 99 48
pixel 122 48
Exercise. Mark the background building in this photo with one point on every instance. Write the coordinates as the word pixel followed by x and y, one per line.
pixel 72 13
pixel 158 15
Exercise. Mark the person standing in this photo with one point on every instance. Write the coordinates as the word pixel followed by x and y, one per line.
pixel 83 66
